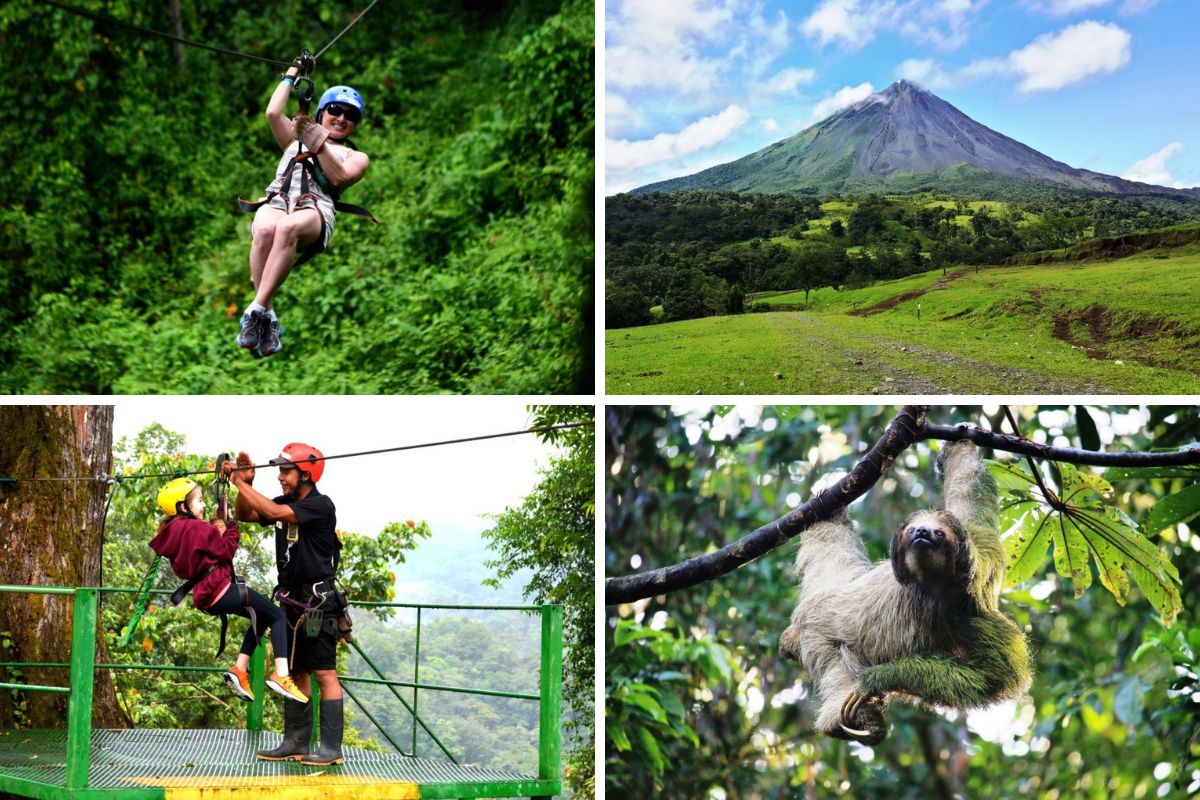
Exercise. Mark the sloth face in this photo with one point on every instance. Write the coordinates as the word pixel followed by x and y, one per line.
pixel 930 548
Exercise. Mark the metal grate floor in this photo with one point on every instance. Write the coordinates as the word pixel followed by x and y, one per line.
pixel 223 758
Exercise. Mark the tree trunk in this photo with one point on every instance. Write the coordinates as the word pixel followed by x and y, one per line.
pixel 177 23
pixel 50 535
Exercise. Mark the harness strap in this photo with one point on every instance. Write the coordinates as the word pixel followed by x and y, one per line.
pixel 181 593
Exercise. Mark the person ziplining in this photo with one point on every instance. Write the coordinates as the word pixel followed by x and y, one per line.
pixel 295 220
pixel 201 553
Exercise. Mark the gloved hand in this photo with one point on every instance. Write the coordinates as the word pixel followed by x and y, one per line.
pixel 305 62
pixel 219 524
pixel 245 468
pixel 311 134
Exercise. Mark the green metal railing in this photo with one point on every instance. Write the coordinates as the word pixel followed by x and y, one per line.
pixel 83 664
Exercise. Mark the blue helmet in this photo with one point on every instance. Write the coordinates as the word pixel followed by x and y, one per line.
pixel 341 94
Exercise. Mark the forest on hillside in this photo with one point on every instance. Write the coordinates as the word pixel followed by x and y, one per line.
pixel 124 254
pixel 705 252
pixel 699 702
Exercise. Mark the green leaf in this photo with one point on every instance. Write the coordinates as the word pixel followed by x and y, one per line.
pixel 629 630
pixel 1128 702
pixel 619 739
pixel 1089 437
pixel 1174 509
pixel 1144 473
pixel 1084 529
pixel 658 762
pixel 645 698
pixel 1026 547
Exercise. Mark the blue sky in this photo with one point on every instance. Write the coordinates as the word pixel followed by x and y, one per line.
pixel 1107 85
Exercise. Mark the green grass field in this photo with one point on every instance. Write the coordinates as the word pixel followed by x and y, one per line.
pixel 1122 326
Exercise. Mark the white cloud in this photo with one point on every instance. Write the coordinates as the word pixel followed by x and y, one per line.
pixel 1153 168
pixel 847 23
pixel 1051 61
pixel 1055 60
pixel 846 96
pixel 703 133
pixel 789 80
pixel 945 24
pixel 765 42
pixel 770 125
pixel 850 24
pixel 925 72
pixel 658 45
pixel 1060 8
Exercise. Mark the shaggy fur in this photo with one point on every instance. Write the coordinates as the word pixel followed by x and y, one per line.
pixel 924 624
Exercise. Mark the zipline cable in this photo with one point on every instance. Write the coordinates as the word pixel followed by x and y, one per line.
pixel 353 22
pixel 185 473
pixel 98 17
pixel 83 12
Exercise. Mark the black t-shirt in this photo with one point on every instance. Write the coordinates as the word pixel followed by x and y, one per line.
pixel 308 552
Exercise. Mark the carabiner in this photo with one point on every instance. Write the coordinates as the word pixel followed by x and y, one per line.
pixel 304 92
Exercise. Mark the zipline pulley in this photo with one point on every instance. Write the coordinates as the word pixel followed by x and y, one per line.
pixel 221 488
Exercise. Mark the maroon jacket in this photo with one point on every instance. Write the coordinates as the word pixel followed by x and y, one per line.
pixel 192 546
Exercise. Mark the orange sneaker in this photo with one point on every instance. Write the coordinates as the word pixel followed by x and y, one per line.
pixel 239 683
pixel 284 685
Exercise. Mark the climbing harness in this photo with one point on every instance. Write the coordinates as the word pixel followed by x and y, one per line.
pixel 315 617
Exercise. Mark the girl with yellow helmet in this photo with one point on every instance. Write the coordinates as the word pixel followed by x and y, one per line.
pixel 201 553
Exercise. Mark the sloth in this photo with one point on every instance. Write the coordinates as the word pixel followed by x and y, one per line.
pixel 924 625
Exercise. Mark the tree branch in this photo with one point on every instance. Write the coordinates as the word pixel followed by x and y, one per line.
pixel 908 426
pixel 904 429
pixel 1070 455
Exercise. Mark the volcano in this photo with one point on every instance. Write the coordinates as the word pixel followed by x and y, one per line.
pixel 903 138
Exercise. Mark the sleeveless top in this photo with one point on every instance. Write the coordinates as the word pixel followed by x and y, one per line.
pixel 316 198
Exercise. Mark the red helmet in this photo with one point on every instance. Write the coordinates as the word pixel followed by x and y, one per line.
pixel 304 457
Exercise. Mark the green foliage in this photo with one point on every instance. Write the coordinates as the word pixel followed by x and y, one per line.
pixel 471 649
pixel 552 534
pixel 854 242
pixel 646 671
pixel 1085 527
pixel 1101 325
pixel 1108 711
pixel 124 253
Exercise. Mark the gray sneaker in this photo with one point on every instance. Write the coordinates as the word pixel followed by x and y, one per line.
pixel 250 333
pixel 268 340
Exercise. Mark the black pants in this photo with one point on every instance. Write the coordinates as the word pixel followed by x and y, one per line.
pixel 267 613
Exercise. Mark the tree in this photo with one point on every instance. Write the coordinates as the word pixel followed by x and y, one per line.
pixel 693 294
pixel 52 538
pixel 625 306
pixel 552 534
pixel 837 229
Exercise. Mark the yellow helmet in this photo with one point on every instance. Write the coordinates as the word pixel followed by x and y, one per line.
pixel 174 493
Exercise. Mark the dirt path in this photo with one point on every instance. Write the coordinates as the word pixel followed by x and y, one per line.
pixel 876 364
pixel 892 302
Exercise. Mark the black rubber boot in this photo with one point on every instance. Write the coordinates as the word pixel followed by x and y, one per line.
pixel 297 731
pixel 330 751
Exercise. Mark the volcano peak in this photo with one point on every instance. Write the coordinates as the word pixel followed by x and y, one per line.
pixel 904 137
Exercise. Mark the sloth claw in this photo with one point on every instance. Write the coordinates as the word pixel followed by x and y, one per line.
pixel 857 709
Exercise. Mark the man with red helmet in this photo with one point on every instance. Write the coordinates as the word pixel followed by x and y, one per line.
pixel 306 552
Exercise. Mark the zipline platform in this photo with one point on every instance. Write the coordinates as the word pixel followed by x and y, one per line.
pixel 146 764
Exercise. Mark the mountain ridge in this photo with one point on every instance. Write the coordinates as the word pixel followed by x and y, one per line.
pixel 904 137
